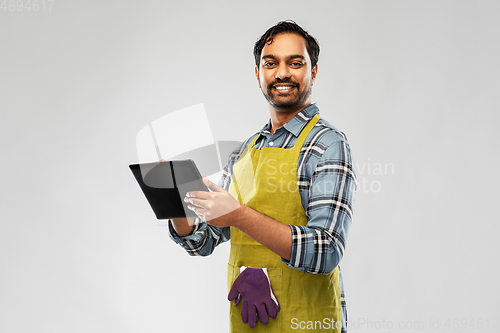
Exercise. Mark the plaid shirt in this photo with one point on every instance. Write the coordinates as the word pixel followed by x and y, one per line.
pixel 326 182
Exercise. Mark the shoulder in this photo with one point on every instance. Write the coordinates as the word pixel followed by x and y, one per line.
pixel 322 138
pixel 329 150
pixel 323 132
pixel 326 133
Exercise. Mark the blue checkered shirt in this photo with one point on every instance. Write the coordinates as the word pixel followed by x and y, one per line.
pixel 326 182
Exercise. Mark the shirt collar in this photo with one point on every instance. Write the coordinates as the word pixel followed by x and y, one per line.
pixel 297 123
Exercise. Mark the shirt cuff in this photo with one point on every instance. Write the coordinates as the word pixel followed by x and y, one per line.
pixel 181 240
pixel 299 256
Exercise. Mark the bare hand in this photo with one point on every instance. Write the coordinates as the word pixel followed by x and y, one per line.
pixel 213 207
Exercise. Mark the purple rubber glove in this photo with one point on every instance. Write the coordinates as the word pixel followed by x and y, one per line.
pixel 254 290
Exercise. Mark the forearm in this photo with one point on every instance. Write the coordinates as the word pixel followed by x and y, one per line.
pixel 274 235
pixel 183 226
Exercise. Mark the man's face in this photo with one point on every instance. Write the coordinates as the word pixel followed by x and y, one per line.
pixel 285 74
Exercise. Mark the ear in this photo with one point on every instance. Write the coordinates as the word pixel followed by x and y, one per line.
pixel 314 73
pixel 257 74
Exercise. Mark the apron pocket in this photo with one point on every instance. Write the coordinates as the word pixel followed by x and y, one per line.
pixel 236 324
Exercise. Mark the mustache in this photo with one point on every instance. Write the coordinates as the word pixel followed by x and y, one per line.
pixel 288 81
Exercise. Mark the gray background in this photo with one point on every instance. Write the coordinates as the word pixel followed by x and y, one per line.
pixel 413 84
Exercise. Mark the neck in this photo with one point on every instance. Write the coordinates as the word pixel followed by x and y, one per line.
pixel 280 117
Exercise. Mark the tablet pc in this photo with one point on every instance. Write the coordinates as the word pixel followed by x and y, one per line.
pixel 165 185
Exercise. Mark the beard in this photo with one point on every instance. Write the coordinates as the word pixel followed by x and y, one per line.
pixel 287 102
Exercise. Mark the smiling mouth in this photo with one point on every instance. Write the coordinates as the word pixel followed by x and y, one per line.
pixel 284 89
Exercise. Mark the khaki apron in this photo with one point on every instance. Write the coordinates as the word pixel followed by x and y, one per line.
pixel 266 180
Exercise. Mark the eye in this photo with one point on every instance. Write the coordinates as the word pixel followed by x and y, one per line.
pixel 296 64
pixel 269 63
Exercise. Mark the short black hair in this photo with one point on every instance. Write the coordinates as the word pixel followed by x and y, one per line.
pixel 287 26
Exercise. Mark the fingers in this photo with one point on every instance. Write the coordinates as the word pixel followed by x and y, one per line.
pixel 252 316
pixel 197 203
pixel 201 212
pixel 200 208
pixel 233 293
pixel 272 310
pixel 244 311
pixel 248 314
pixel 261 310
pixel 200 195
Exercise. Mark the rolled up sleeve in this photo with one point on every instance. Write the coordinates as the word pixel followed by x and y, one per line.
pixel 319 246
pixel 202 240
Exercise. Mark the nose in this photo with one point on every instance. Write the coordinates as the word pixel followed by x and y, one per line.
pixel 282 72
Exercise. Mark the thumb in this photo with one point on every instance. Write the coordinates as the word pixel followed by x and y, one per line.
pixel 233 293
pixel 212 186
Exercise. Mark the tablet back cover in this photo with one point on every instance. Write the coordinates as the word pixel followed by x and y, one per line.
pixel 165 185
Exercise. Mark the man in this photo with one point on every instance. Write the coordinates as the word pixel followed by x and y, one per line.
pixel 285 201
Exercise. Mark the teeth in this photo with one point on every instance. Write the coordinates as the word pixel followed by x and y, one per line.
pixel 283 87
